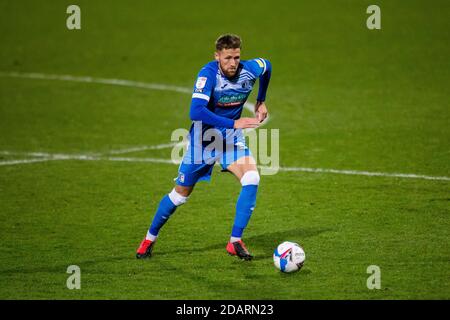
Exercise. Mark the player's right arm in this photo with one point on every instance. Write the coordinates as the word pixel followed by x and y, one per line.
pixel 199 106
pixel 244 123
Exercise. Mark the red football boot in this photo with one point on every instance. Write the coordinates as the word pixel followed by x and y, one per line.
pixel 145 249
pixel 238 249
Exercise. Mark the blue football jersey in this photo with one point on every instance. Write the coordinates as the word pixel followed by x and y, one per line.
pixel 226 96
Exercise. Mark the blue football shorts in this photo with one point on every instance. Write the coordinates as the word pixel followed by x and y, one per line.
pixel 198 161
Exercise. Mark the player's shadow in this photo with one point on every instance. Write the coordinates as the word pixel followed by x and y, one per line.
pixel 261 245
pixel 265 242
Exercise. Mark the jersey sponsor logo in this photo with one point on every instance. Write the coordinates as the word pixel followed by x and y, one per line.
pixel 229 104
pixel 231 101
pixel 201 82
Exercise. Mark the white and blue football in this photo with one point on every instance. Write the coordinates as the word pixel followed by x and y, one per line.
pixel 289 257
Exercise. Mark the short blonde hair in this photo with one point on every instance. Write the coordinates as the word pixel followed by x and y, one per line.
pixel 228 41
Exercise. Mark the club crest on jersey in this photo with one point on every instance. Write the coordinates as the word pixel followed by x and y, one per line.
pixel 201 82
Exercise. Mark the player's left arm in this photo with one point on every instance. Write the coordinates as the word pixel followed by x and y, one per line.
pixel 261 111
pixel 264 79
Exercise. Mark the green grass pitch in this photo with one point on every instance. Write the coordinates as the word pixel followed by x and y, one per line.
pixel 343 97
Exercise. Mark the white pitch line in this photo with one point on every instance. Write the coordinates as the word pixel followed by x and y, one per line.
pixel 155 86
pixel 364 173
pixel 13 162
pixel 152 160
pixel 49 156
pixel 53 157
pixel 143 148
pixel 44 156
pixel 116 82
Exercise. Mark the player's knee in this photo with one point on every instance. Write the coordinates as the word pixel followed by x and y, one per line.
pixel 250 178
pixel 176 198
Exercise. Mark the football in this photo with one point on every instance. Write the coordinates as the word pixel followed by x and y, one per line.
pixel 289 257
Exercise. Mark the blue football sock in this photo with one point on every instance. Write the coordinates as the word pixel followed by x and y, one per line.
pixel 244 208
pixel 165 210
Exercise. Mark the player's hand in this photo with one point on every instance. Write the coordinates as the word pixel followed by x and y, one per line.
pixel 260 111
pixel 244 123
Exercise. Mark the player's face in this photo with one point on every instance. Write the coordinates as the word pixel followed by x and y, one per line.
pixel 228 60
